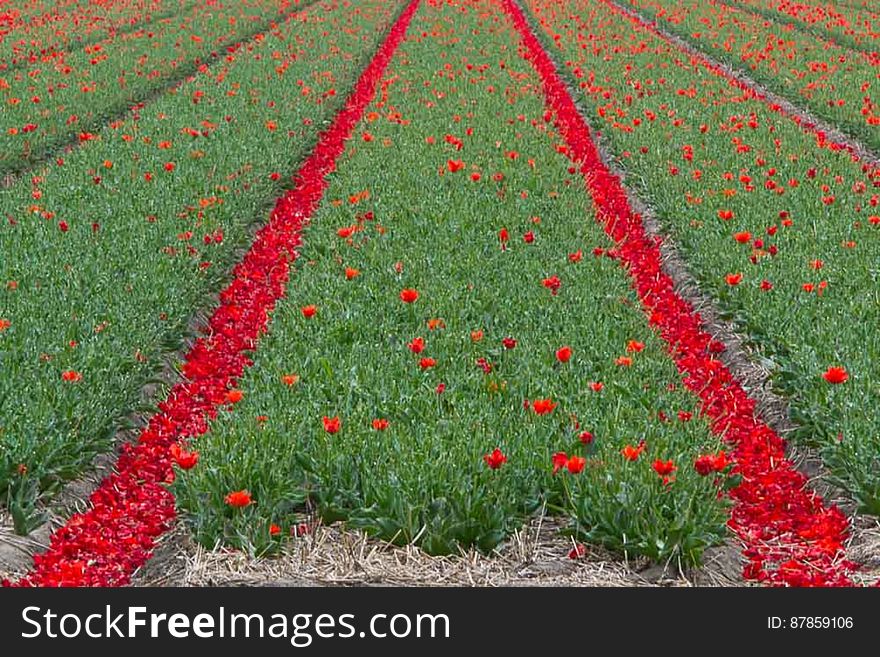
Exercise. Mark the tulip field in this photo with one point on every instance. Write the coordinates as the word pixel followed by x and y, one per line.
pixel 430 270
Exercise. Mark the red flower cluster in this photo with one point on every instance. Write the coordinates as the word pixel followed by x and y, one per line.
pixel 709 463
pixel 574 464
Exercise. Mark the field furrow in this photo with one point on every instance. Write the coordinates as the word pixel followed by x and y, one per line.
pixel 44 38
pixel 857 27
pixel 835 83
pixel 57 104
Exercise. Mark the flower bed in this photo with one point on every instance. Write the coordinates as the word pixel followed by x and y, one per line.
pixel 112 252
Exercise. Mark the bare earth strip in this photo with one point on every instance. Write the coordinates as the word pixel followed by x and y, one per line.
pixel 783 19
pixel 537 555
pixel 12 171
pixel 806 119
pixel 106 34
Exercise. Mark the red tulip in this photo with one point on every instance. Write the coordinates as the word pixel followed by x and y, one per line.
pixel 409 295
pixel 559 459
pixel 495 459
pixel 708 463
pixel 631 453
pixel 543 406
pixel 553 284
pixel 563 354
pixel 239 499
pixel 835 375
pixel 184 459
pixel 663 468
pixel 577 551
pixel 576 464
